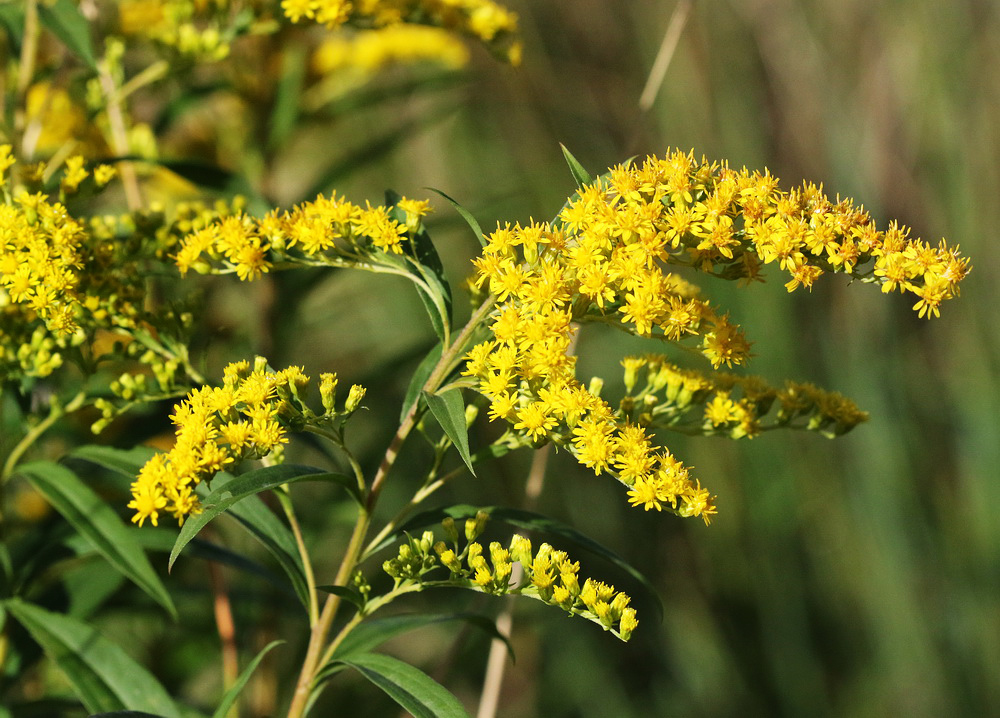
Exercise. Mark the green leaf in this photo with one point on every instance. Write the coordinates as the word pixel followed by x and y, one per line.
pixel 103 676
pixel 529 521
pixel 419 378
pixel 411 688
pixel 234 691
pixel 466 215
pixel 126 714
pixel 64 19
pixel 276 537
pixel 580 175
pixel 162 540
pixel 436 298
pixel 248 484
pixel 347 593
pixel 126 462
pixel 91 516
pixel 373 632
pixel 286 101
pixel 12 20
pixel 449 410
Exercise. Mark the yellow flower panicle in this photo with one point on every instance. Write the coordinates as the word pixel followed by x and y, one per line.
pixel 484 20
pixel 725 404
pixel 605 259
pixel 327 231
pixel 731 222
pixel 248 417
pixel 49 260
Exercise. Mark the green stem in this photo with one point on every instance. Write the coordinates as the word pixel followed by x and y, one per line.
pixel 56 412
pixel 321 630
pixel 285 500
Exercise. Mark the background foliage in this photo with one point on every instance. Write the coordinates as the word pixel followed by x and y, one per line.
pixel 852 578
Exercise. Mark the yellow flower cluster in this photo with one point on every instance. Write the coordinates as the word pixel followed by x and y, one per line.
pixel 40 259
pixel 729 222
pixel 370 51
pixel 483 19
pixel 546 278
pixel 327 230
pixel 249 416
pixel 728 405
pixel 42 252
pixel 604 259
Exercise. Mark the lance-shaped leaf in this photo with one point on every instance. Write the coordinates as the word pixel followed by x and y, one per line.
pixel 449 410
pixel 466 215
pixel 411 688
pixel 580 175
pixel 67 23
pixel 420 376
pixel 103 676
pixel 93 519
pixel 126 462
pixel 234 691
pixel 249 484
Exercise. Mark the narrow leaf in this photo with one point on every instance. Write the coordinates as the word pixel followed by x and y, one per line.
pixel 234 691
pixel 449 410
pixel 64 19
pixel 248 484
pixel 411 688
pixel 580 175
pixel 375 631
pixel 419 378
pixel 436 301
pixel 91 516
pixel 466 215
pixel 12 20
pixel 103 676
pixel 276 537
pixel 126 462
pixel 345 592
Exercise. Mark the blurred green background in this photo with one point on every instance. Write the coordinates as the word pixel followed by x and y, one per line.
pixel 856 577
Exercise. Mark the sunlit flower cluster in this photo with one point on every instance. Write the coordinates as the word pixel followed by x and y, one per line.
pixel 248 417
pixel 728 223
pixel 328 230
pixel 74 288
pixel 485 20
pixel 546 278
pixel 605 259
pixel 724 404
pixel 547 575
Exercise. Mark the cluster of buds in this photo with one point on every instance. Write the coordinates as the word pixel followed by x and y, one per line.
pixel 729 405
pixel 547 575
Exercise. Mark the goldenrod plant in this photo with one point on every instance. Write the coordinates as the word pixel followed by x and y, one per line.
pixel 109 249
